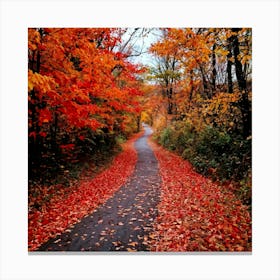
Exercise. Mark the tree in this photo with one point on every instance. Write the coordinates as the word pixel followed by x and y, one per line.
pixel 240 59
pixel 166 71
pixel 79 84
pixel 206 59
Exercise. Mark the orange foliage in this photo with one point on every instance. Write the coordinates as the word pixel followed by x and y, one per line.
pixel 77 75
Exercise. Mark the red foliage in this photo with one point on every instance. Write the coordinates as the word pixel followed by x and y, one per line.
pixel 66 208
pixel 194 213
pixel 78 79
pixel 67 146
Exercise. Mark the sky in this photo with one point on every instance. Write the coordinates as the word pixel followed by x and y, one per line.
pixel 143 44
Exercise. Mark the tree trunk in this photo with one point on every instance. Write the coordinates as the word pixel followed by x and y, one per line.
pixel 138 123
pixel 169 101
pixel 214 71
pixel 244 103
pixel 191 85
pixel 238 66
pixel 229 66
pixel 245 108
pixel 205 87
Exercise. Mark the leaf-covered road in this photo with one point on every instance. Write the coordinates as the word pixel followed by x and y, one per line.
pixel 123 222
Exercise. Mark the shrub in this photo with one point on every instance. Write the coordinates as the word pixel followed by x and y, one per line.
pixel 212 152
pixel 176 138
pixel 165 137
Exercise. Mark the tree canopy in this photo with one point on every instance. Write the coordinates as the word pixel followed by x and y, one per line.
pixel 85 91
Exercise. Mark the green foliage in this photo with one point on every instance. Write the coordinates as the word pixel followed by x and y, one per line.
pixel 244 190
pixel 212 152
pixel 165 138
pixel 120 139
pixel 177 137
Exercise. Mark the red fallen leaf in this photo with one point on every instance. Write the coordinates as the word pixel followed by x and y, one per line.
pixel 69 205
pixel 194 214
pixel 132 244
pixel 239 248
pixel 131 250
pixel 116 243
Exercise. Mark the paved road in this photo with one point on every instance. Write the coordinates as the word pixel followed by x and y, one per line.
pixel 124 222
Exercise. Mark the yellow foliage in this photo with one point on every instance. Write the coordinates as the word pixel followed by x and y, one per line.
pixel 221 109
pixel 40 82
pixel 34 39
pixel 146 117
pixel 221 51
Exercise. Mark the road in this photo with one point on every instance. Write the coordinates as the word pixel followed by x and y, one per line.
pixel 123 222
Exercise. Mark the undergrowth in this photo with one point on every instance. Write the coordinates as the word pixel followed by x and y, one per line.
pixel 222 156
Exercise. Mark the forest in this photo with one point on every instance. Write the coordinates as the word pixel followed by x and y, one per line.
pixel 92 95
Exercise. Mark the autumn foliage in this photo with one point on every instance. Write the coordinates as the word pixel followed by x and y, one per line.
pixel 202 100
pixel 81 90
pixel 86 97
pixel 196 214
pixel 61 208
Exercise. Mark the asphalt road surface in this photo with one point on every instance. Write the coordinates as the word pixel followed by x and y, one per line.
pixel 123 222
